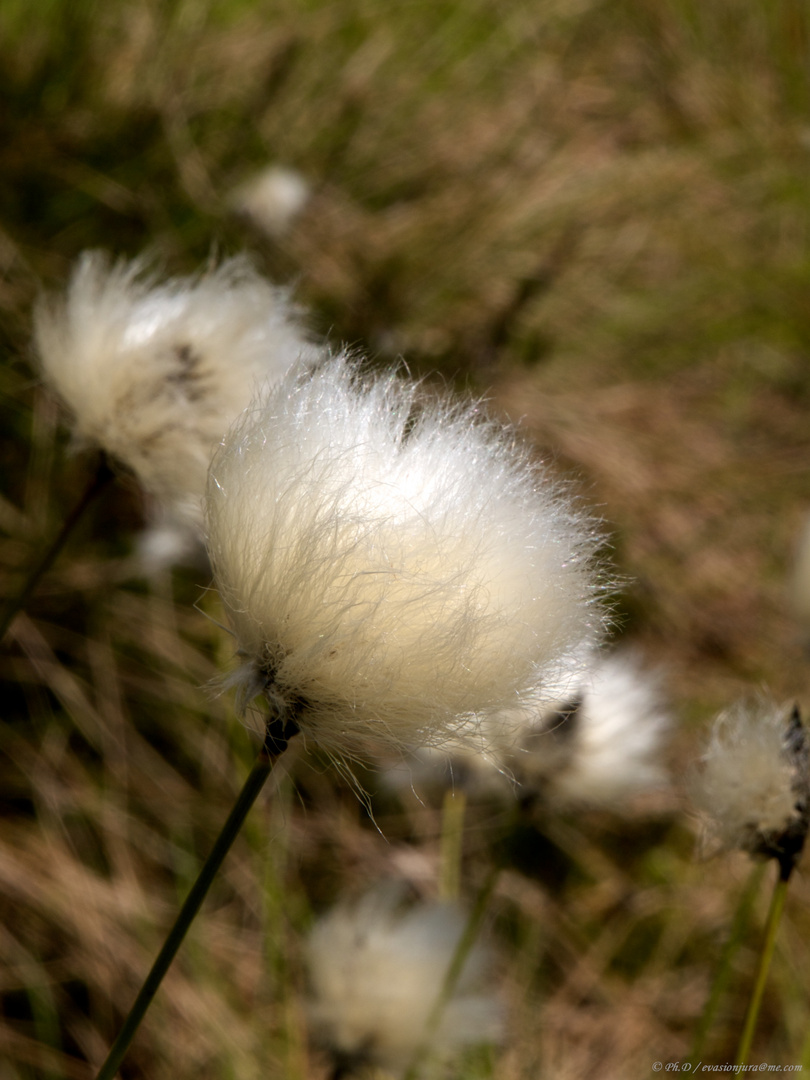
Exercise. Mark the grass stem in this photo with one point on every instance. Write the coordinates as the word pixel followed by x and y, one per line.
pixel 101 479
pixel 462 951
pixel 453 810
pixel 771 930
pixel 274 745
pixel 722 977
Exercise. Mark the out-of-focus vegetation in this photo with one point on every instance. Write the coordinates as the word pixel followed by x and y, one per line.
pixel 597 212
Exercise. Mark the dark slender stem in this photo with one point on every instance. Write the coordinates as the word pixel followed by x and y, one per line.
pixel 102 478
pixel 275 744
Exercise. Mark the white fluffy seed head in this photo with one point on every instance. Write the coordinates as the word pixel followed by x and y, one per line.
pixel 753 788
pixel 376 969
pixel 603 740
pixel 166 541
pixel 154 373
pixel 594 736
pixel 394 566
pixel 272 199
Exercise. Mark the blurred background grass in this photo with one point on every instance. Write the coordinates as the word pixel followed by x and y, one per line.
pixel 598 213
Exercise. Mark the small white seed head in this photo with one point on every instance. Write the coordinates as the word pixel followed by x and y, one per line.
pixel 272 199
pixel 393 568
pixel 592 736
pixel 602 742
pixel 376 969
pixel 155 372
pixel 753 787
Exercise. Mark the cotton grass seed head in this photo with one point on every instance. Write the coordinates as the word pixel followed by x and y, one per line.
pixel 376 968
pixel 154 372
pixel 594 736
pixel 753 787
pixel 272 199
pixel 603 741
pixel 393 568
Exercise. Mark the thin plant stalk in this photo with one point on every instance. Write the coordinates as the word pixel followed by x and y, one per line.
pixel 462 951
pixel 453 809
pixel 103 476
pixel 771 930
pixel 722 977
pixel 275 743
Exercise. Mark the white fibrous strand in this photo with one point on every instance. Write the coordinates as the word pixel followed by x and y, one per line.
pixel 394 567
pixel 154 372
pixel 376 969
pixel 752 790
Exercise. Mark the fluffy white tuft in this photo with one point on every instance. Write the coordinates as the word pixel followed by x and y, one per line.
pixel 376 969
pixel 594 735
pixel 394 566
pixel 165 542
pixel 753 788
pixel 603 740
pixel 273 199
pixel 154 373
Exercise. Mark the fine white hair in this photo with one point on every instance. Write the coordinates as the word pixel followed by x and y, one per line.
pixel 393 567
pixel 753 788
pixel 376 969
pixel 154 372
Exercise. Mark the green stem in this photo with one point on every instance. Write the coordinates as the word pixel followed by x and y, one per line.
pixel 771 929
pixel 722 978
pixel 275 744
pixel 102 478
pixel 460 956
pixel 453 809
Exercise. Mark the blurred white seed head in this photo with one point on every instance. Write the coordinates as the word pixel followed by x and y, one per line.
pixel 167 541
pixel 393 568
pixel 603 741
pixel 376 968
pixel 272 199
pixel 154 372
pixel 594 735
pixel 753 787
